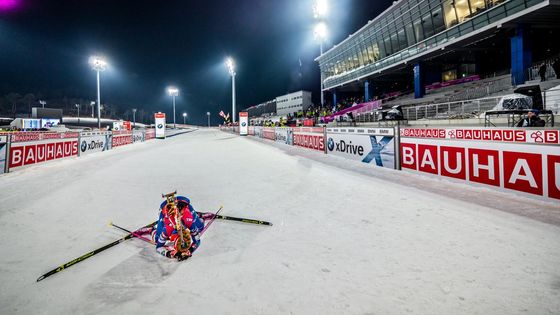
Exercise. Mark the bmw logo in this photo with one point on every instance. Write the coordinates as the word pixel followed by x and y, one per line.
pixel 83 146
pixel 330 144
pixel 160 126
pixel 243 124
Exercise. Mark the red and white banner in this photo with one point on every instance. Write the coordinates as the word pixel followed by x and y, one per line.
pixel 528 168
pixel 121 138
pixel 269 133
pixel 27 153
pixel 485 134
pixel 26 136
pixel 309 137
pixel 150 134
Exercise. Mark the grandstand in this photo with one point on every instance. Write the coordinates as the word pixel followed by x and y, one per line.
pixel 443 59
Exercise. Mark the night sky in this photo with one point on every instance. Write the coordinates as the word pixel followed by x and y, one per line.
pixel 45 45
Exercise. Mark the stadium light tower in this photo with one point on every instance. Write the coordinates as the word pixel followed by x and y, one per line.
pixel 320 8
pixel 134 117
pixel 173 92
pixel 208 114
pixel 98 64
pixel 184 118
pixel 231 69
pixel 78 107
pixel 320 33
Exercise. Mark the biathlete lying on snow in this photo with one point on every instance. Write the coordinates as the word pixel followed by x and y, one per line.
pixel 177 234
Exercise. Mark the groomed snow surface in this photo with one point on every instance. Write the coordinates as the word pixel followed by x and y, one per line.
pixel 347 238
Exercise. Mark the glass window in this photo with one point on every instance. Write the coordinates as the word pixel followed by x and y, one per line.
pixel 402 40
pixel 428 25
pixel 477 6
pixel 410 34
pixel 388 48
pixel 395 43
pixel 375 52
pixel 449 13
pixel 418 32
pixel 463 11
pixel 382 52
pixel 437 19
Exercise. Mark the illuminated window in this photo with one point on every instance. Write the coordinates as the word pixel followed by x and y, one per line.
pixel 437 20
pixel 477 6
pixel 418 32
pixel 463 11
pixel 410 34
pixel 449 13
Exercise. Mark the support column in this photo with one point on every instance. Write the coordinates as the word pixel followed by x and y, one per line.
pixel 366 87
pixel 521 55
pixel 334 100
pixel 419 82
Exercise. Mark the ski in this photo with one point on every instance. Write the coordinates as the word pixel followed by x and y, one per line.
pixel 244 220
pixel 88 255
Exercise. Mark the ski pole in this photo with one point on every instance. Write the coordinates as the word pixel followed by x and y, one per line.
pixel 133 233
pixel 211 220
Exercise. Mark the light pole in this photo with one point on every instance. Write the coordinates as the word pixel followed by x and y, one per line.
pixel 231 69
pixel 134 117
pixel 92 104
pixel 78 107
pixel 208 114
pixel 173 92
pixel 98 64
pixel 184 118
pixel 320 34
pixel 43 103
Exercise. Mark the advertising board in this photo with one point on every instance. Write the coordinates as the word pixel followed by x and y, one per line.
pixel 243 123
pixel 309 137
pixel 374 146
pixel 522 160
pixel 91 142
pixel 159 119
pixel 284 135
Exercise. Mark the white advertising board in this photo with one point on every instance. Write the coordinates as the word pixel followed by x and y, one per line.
pixel 138 136
pixel 160 125
pixel 375 146
pixel 284 135
pixel 243 123
pixel 91 142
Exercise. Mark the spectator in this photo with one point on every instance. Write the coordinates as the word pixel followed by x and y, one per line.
pixel 556 67
pixel 532 120
pixel 542 72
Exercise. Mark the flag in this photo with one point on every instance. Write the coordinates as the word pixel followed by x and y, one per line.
pixel 222 114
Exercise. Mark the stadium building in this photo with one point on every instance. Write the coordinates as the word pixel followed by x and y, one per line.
pixel 416 48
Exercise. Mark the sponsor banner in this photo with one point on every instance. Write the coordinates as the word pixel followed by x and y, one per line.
pixel 26 136
pixel 138 136
pixel 268 133
pixel 3 151
pixel 375 146
pixel 150 134
pixel 284 135
pixel 121 138
pixel 27 153
pixel 309 137
pixel 258 131
pixel 91 142
pixel 159 119
pixel 511 166
pixel 243 123
pixel 539 136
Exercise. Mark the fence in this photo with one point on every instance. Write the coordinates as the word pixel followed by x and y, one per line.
pixel 19 149
pixel 520 160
